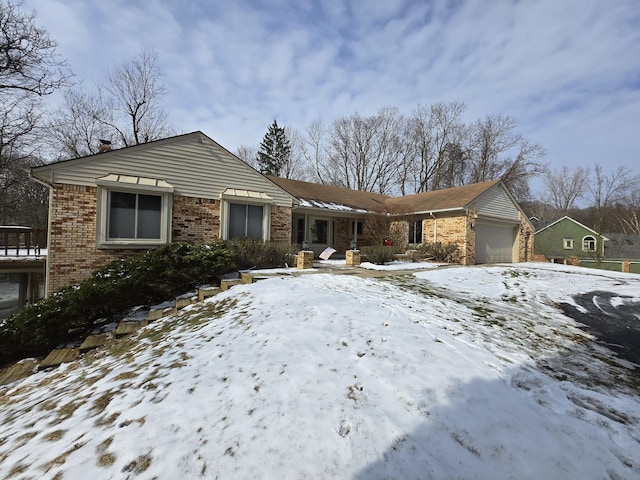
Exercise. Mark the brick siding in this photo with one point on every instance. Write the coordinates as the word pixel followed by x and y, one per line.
pixel 73 253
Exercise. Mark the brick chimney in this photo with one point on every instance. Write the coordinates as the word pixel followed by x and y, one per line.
pixel 105 146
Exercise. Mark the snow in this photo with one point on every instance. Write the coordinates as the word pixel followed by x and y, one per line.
pixel 453 372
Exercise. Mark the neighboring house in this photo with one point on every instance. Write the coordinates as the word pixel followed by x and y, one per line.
pixel 567 238
pixel 189 188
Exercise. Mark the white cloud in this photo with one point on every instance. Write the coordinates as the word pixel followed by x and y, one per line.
pixel 232 67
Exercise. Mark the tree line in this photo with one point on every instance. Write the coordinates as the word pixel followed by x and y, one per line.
pixel 392 153
pixel 389 152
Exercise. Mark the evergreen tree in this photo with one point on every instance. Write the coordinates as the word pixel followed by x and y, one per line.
pixel 275 151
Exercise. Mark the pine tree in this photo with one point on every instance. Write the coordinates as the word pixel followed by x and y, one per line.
pixel 275 151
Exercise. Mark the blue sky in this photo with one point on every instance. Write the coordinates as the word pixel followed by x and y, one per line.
pixel 568 70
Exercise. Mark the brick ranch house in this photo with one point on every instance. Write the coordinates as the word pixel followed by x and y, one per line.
pixel 189 188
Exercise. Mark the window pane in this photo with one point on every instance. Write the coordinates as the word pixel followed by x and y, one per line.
pixel 149 212
pixel 122 215
pixel 254 223
pixel 237 220
pixel 319 231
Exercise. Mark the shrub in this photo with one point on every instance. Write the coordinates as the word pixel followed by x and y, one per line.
pixel 379 254
pixel 439 252
pixel 154 275
pixel 250 253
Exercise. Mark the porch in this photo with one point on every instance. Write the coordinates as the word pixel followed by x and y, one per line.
pixel 23 256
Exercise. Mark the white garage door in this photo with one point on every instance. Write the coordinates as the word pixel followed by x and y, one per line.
pixel 494 243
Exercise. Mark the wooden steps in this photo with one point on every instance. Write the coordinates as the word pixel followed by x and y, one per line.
pixel 125 326
pixel 20 370
pixel 59 356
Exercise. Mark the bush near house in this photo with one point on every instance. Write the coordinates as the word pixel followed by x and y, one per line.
pixel 440 252
pixel 379 254
pixel 155 275
pixel 251 253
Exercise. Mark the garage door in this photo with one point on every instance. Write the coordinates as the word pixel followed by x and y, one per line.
pixel 494 243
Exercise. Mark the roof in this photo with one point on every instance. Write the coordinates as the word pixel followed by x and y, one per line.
pixel 438 200
pixel 316 195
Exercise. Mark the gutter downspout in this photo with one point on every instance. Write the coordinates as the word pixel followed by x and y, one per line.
pixel 435 227
pixel 46 264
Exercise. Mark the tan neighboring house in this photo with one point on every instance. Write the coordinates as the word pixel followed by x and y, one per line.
pixel 189 188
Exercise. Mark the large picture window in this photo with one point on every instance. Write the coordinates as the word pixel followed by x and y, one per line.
pixel 134 216
pixel 133 212
pixel 246 220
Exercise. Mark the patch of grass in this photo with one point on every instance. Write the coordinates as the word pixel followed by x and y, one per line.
pixel 107 420
pixel 60 459
pixel 24 438
pixel 67 410
pixel 106 460
pixel 482 312
pixel 55 435
pixel 139 465
pixel 126 375
pixel 103 401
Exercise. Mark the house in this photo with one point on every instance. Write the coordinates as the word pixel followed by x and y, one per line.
pixel 482 218
pixel 189 188
pixel 565 240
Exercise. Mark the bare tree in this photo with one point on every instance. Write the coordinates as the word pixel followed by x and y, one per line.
pixel 248 155
pixel 605 190
pixel 132 94
pixel 564 187
pixel 296 166
pixel 364 151
pixel 76 127
pixel 435 137
pixel 314 150
pixel 29 70
pixel 630 219
pixel 28 60
pixel 497 152
pixel 126 109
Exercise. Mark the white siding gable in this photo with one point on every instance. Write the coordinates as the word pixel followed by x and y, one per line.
pixel 496 202
pixel 193 164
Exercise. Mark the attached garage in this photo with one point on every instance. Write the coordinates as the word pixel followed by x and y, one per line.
pixel 495 243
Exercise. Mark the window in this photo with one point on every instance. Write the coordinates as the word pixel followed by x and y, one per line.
pixel 134 216
pixel 355 230
pixel 415 232
pixel 300 236
pixel 319 230
pixel 246 220
pixel 133 211
pixel 589 244
pixel 567 243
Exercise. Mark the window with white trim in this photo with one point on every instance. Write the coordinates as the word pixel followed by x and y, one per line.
pixel 567 243
pixel 246 220
pixel 589 244
pixel 133 212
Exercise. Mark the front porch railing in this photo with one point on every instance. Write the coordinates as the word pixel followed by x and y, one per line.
pixel 18 241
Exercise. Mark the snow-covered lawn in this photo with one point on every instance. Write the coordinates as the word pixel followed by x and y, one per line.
pixel 447 373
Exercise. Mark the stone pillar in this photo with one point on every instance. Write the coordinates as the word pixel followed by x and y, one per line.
pixel 305 259
pixel 625 266
pixel 353 258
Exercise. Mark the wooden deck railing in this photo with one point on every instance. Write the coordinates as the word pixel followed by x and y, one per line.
pixel 18 241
